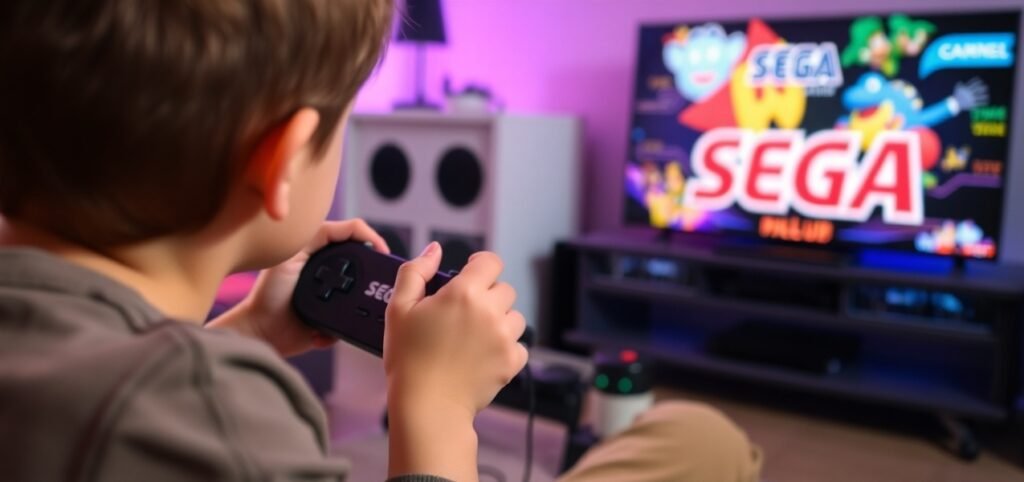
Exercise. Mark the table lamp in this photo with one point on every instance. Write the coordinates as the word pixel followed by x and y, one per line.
pixel 422 24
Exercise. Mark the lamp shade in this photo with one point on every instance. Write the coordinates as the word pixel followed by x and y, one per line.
pixel 423 22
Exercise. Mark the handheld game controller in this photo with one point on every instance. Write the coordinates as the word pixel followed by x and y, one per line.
pixel 344 290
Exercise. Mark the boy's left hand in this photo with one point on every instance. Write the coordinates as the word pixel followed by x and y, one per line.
pixel 266 313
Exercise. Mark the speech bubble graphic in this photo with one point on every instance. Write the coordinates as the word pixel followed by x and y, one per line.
pixel 968 51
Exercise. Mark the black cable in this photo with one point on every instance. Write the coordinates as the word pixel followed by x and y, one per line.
pixel 529 423
pixel 496 473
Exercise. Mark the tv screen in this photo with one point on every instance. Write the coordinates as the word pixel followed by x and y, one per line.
pixel 890 131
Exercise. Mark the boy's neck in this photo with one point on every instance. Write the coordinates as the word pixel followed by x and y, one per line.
pixel 180 282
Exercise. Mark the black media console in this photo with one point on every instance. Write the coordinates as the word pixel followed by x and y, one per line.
pixel 946 341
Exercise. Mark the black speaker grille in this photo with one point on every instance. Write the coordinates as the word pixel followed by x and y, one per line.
pixel 459 177
pixel 389 172
pixel 398 238
pixel 457 249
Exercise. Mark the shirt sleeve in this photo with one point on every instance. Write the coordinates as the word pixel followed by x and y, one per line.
pixel 210 412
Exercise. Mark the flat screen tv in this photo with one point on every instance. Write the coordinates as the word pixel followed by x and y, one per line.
pixel 889 131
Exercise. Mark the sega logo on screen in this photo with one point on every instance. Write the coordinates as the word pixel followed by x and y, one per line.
pixel 806 64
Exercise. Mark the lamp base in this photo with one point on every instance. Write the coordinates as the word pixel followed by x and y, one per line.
pixel 420 105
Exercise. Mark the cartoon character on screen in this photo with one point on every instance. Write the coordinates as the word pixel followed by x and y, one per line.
pixel 951 237
pixel 659 208
pixel 664 199
pixel 956 158
pixel 909 36
pixel 702 58
pixel 877 104
pixel 870 46
pixel 675 182
pixel 726 98
pixel 681 217
pixel 644 183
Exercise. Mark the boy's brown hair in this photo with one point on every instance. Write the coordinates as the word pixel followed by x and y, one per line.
pixel 124 120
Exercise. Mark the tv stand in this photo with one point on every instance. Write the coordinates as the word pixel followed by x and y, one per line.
pixel 738 249
pixel 793 254
pixel 664 235
pixel 959 267
pixel 939 341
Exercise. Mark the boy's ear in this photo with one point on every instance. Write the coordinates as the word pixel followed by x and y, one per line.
pixel 272 165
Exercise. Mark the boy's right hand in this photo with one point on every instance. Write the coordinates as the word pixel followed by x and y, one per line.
pixel 458 346
pixel 446 356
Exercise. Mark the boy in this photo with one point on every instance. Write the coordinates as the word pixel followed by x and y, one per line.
pixel 148 149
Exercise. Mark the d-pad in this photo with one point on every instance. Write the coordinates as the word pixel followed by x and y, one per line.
pixel 333 277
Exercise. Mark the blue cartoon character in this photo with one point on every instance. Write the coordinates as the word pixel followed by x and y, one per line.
pixel 702 58
pixel 877 104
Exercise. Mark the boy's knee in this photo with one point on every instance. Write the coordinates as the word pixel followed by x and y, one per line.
pixel 687 414
pixel 704 433
pixel 694 419
pixel 677 441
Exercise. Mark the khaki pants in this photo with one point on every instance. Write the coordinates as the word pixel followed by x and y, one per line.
pixel 672 442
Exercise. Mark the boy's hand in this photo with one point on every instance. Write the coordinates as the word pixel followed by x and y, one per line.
pixel 266 313
pixel 446 356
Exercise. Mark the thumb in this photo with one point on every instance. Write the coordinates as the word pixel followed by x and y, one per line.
pixel 411 284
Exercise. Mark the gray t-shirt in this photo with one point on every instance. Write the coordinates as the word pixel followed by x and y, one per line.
pixel 95 384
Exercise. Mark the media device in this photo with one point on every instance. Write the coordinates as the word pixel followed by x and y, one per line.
pixel 622 385
pixel 344 290
pixel 886 131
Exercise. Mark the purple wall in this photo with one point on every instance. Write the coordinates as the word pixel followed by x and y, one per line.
pixel 576 56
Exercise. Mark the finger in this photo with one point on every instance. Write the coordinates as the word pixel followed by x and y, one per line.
pixel 361 231
pixel 321 340
pixel 523 355
pixel 520 356
pixel 482 269
pixel 411 284
pixel 503 296
pixel 515 325
pixel 352 229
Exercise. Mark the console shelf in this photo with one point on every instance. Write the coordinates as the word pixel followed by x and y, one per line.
pixel 929 395
pixel 941 341
pixel 685 296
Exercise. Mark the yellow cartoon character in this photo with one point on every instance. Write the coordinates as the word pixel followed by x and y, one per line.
pixel 658 204
pixel 956 159
pixel 675 183
pixel 682 216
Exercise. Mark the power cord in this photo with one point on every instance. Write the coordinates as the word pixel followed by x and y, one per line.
pixel 494 472
pixel 531 404
pixel 528 467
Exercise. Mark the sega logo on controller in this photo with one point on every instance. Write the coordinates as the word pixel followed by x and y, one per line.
pixel 805 64
pixel 380 291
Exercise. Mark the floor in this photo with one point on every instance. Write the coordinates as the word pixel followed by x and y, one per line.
pixel 804 441
pixel 800 448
